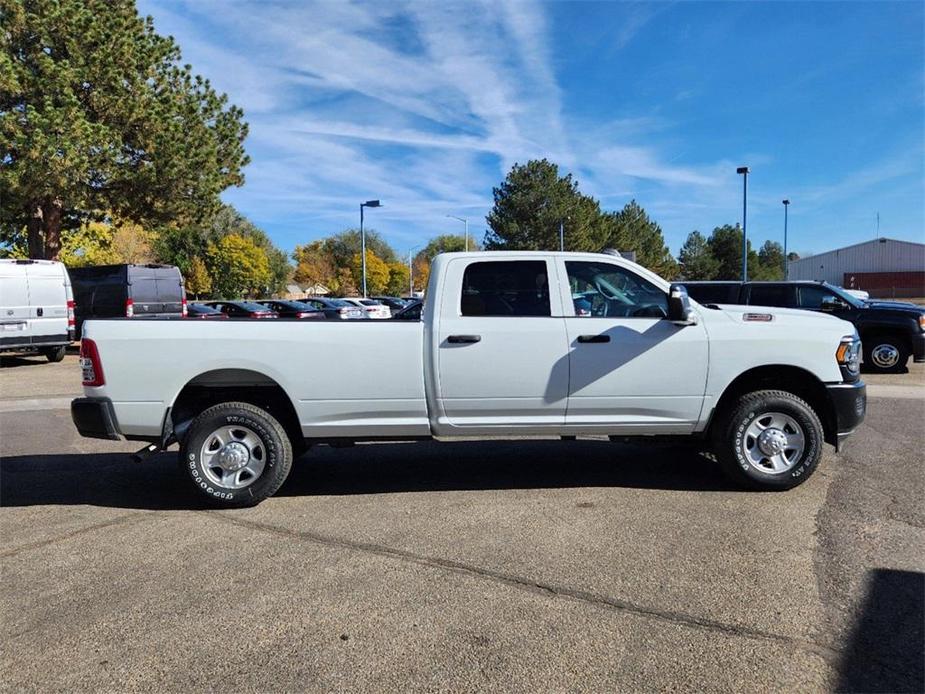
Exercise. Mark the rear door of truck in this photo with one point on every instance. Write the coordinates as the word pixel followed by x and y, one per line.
pixel 501 353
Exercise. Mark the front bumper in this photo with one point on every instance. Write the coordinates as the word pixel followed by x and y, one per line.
pixel 849 405
pixel 95 418
pixel 918 347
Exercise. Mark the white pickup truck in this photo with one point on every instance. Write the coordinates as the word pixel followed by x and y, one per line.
pixel 509 344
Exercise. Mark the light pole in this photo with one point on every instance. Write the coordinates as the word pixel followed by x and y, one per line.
pixel 786 259
pixel 411 271
pixel 744 171
pixel 464 221
pixel 368 203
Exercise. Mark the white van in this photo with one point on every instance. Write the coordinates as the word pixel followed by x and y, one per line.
pixel 36 307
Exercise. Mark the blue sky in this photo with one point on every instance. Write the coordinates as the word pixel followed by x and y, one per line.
pixel 426 105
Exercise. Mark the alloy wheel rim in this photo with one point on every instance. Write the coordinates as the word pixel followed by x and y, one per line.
pixel 773 443
pixel 233 457
pixel 885 356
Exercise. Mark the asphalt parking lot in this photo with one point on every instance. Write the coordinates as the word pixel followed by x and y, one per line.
pixel 507 566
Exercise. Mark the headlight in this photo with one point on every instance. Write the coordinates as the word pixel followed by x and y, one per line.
pixel 922 322
pixel 848 354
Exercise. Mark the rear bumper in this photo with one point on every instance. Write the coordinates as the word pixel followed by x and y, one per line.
pixel 918 347
pixel 95 418
pixel 849 405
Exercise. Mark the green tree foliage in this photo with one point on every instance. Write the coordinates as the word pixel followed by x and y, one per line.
pixel 398 279
pixel 238 267
pixel 198 282
pixel 229 221
pixel 696 260
pixel 314 266
pixel 531 203
pixel 97 113
pixel 725 245
pixel 631 229
pixel 181 245
pixel 720 257
pixel 342 247
pixel 445 243
pixel 770 262
pixel 377 273
pixel 534 200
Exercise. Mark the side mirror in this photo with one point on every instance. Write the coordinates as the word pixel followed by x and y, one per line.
pixel 832 303
pixel 679 306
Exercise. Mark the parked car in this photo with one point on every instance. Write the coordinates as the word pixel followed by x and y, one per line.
pixel 128 291
pixel 36 308
pixel 372 307
pixel 197 310
pixel 890 331
pixel 500 351
pixel 394 303
pixel 335 309
pixel 242 309
pixel 410 312
pixel 293 309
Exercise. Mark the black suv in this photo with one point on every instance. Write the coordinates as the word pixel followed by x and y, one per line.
pixel 890 331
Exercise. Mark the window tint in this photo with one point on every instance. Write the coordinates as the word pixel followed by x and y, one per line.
pixel 713 293
pixel 769 295
pixel 506 288
pixel 603 290
pixel 811 297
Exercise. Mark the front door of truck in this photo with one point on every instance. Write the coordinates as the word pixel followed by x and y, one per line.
pixel 501 353
pixel 632 371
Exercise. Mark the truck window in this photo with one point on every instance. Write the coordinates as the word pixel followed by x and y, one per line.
pixel 602 290
pixel 769 295
pixel 506 288
pixel 811 297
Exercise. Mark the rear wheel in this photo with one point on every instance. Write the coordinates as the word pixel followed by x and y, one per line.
pixel 236 454
pixel 769 440
pixel 54 354
pixel 885 354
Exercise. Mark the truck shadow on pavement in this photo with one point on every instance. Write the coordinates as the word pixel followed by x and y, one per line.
pixel 114 480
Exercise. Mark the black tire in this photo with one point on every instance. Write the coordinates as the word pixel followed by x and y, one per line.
pixel 273 452
pixel 731 440
pixel 885 354
pixel 54 354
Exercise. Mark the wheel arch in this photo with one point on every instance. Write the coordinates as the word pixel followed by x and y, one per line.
pixel 792 379
pixel 231 385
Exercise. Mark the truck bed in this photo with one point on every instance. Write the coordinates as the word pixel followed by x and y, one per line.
pixel 345 378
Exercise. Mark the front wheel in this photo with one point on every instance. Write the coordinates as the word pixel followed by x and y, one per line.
pixel 236 454
pixel 769 440
pixel 885 354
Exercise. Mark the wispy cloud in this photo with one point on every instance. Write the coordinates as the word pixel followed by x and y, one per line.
pixel 426 105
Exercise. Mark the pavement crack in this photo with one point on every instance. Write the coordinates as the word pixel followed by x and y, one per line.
pixel 825 652
pixel 118 520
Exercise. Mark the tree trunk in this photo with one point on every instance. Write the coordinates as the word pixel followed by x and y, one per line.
pixel 34 232
pixel 52 215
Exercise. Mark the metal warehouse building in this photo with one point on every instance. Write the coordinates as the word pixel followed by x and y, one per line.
pixel 886 268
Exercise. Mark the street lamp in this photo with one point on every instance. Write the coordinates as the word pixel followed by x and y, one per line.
pixel 744 171
pixel 464 221
pixel 368 203
pixel 411 271
pixel 786 259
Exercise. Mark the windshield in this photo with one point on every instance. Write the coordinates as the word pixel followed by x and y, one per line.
pixel 846 297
